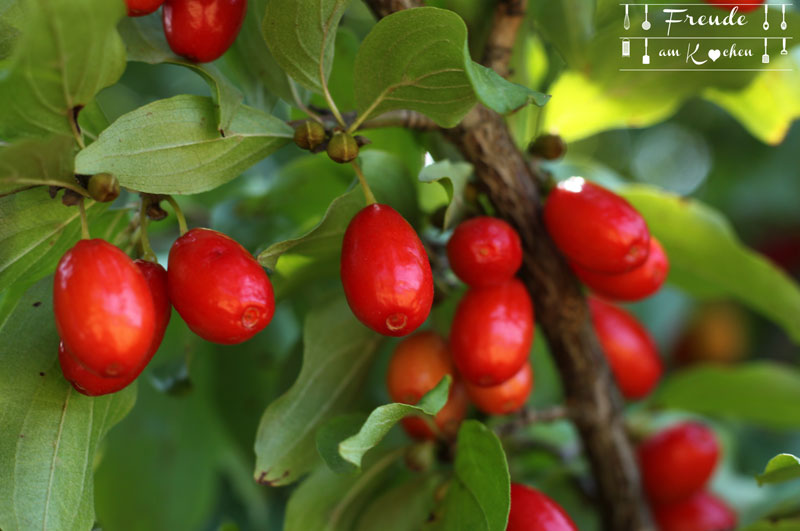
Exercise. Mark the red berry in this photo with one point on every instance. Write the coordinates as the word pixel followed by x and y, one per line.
pixel 630 350
pixel 532 510
pixel 103 308
pixel 484 251
pixel 702 512
pixel 745 6
pixel 92 385
pixel 138 8
pixel 386 275
pixel 492 333
pixel 595 228
pixel 219 289
pixel 419 363
pixel 678 462
pixel 505 398
pixel 202 30
pixel 634 285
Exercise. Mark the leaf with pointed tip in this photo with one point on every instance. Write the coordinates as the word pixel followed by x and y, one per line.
pixel 782 467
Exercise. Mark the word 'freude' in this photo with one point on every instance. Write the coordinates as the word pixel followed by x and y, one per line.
pixel 704 20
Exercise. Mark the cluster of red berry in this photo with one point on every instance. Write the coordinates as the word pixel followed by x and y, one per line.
pixel 200 30
pixel 676 465
pixel 610 248
pixel 111 312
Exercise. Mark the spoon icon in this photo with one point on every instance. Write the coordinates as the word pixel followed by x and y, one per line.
pixel 627 23
pixel 766 14
pixel 783 16
pixel 646 23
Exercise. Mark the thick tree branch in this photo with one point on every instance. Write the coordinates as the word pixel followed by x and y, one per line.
pixel 508 16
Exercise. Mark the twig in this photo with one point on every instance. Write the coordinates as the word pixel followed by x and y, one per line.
pixel 381 8
pixel 508 16
pixel 528 416
pixel 401 118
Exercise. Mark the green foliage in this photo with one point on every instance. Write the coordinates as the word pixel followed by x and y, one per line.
pixel 37 162
pixel 51 433
pixel 172 146
pixel 401 508
pixel 783 467
pixel 453 176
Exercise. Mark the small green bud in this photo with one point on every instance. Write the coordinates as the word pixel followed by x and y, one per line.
pixel 103 187
pixel 342 147
pixel 309 135
pixel 548 147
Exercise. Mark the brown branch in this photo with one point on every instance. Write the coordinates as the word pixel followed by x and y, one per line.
pixel 381 8
pixel 402 118
pixel 592 399
pixel 508 16
pixel 528 416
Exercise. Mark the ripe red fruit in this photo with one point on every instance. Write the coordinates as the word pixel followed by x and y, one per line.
pixel 484 251
pixel 492 333
pixel 677 462
pixel 630 350
pixel 219 289
pixel 506 397
pixel 202 30
pixel 745 6
pixel 103 308
pixel 702 512
pixel 139 8
pixel 634 285
pixel 386 275
pixel 532 510
pixel 595 228
pixel 418 364
pixel 92 385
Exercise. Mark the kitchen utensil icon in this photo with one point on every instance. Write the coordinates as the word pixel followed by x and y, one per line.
pixel 646 23
pixel 645 57
pixel 783 17
pixel 627 22
pixel 626 47
pixel 784 52
pixel 765 57
pixel 766 15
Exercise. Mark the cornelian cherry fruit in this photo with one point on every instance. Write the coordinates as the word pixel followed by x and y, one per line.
pixel 677 462
pixel 218 288
pixel 139 8
pixel 745 7
pixel 492 333
pixel 532 510
pixel 385 272
pixel 701 512
pixel 634 285
pixel 418 364
pixel 484 251
pixel 103 308
pixel 595 228
pixel 629 349
pixel 506 397
pixel 202 30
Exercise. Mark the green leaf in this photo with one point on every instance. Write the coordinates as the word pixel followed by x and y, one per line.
pixel 301 37
pixel 145 42
pixel 354 445
pixel 479 496
pixel 761 393
pixel 402 508
pixel 50 432
pixel 326 501
pixel 418 59
pixel 706 256
pixel 172 146
pixel 34 162
pixel 453 176
pixel 68 51
pixel 782 467
pixel 337 353
pixel 784 524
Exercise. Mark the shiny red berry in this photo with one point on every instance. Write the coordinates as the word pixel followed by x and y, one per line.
pixel 634 285
pixel 701 512
pixel 629 349
pixel 386 275
pixel 202 30
pixel 218 288
pixel 418 364
pixel 103 308
pixel 678 462
pixel 484 251
pixel 139 8
pixel 506 397
pixel 90 384
pixel 492 333
pixel 595 228
pixel 745 6
pixel 532 510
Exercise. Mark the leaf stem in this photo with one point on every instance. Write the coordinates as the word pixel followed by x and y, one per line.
pixel 368 195
pixel 84 221
pixel 179 214
pixel 144 239
pixel 302 106
pixel 73 123
pixel 329 98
